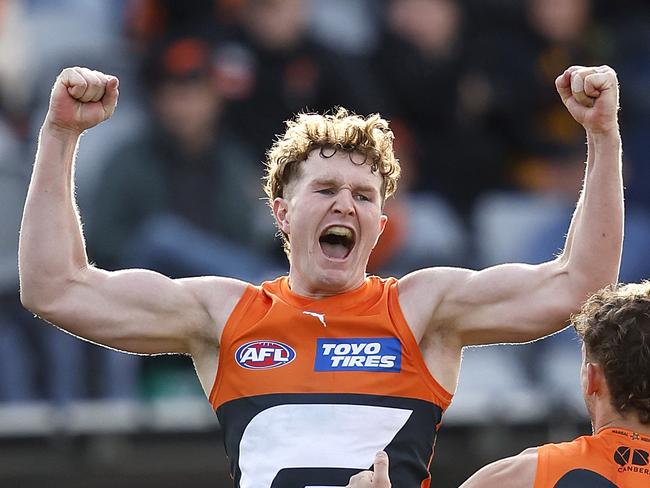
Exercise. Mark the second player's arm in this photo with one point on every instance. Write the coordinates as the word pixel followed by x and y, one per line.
pixel 513 472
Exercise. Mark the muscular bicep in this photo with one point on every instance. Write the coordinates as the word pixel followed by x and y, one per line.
pixel 505 303
pixel 511 303
pixel 138 310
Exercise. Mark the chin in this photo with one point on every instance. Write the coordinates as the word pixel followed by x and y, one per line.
pixel 334 280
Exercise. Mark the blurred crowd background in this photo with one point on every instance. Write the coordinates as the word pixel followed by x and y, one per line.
pixel 492 161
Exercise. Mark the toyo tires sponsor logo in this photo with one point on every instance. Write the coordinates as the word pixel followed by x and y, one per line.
pixel 264 355
pixel 377 354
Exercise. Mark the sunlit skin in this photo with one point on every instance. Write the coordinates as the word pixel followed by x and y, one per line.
pixel 330 191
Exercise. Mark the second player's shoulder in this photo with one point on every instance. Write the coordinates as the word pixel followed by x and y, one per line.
pixel 517 471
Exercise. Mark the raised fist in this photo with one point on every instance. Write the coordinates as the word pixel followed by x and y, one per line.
pixel 81 98
pixel 591 96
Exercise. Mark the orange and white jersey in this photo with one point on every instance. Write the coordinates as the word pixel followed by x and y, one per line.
pixel 613 458
pixel 308 390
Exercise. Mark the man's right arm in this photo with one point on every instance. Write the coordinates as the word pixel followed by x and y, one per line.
pixel 132 310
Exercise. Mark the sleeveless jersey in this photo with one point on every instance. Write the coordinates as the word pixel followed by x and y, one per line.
pixel 613 458
pixel 308 390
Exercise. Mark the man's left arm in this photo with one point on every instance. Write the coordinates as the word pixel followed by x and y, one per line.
pixel 519 302
pixel 595 239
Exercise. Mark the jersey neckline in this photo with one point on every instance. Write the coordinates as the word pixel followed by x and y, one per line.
pixel 349 299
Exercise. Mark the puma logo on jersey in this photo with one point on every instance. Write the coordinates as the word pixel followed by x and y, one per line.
pixel 319 316
pixel 383 354
pixel 264 355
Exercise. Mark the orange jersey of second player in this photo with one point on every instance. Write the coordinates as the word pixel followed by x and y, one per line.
pixel 308 390
pixel 613 458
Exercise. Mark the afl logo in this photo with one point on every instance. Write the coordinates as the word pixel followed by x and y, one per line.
pixel 264 355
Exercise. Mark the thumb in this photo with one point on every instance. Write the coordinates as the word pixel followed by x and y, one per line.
pixel 380 478
pixel 109 100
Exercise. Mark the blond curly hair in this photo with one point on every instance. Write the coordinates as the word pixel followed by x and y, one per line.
pixel 341 130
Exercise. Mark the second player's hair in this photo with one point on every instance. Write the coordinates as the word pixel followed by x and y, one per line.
pixel 615 327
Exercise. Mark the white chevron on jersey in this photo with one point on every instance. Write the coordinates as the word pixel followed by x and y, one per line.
pixel 315 436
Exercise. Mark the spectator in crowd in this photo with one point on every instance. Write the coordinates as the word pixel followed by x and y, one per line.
pixel 18 363
pixel 275 69
pixel 408 242
pixel 628 22
pixel 418 63
pixel 181 197
pixel 556 34
pixel 148 22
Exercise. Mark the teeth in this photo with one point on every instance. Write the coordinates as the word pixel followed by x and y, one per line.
pixel 340 231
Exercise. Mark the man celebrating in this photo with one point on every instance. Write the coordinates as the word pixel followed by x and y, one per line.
pixel 614 326
pixel 313 373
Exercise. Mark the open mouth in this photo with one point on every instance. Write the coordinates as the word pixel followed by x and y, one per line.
pixel 337 242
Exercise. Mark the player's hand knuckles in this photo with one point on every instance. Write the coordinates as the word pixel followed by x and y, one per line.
pixel 573 68
pixel 594 83
pixel 78 86
pixel 581 75
pixel 78 82
pixel 99 92
pixel 103 78
pixel 67 74
pixel 611 76
pixel 93 80
pixel 601 82
pixel 94 89
pixel 606 69
pixel 83 73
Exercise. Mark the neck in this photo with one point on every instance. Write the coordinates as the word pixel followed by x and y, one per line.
pixel 620 422
pixel 313 288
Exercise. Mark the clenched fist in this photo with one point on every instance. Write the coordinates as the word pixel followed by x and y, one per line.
pixel 81 98
pixel 591 96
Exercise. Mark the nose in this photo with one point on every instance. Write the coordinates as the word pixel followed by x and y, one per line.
pixel 344 202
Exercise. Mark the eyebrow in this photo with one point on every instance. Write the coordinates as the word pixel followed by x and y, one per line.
pixel 336 182
pixel 326 182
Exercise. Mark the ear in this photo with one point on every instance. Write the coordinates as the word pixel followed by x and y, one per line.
pixel 383 220
pixel 595 379
pixel 281 213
